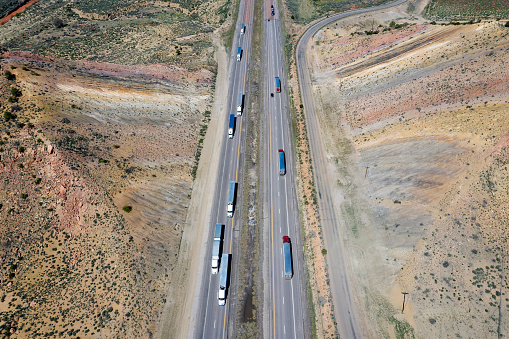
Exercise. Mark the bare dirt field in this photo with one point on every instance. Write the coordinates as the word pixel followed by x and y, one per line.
pixel 415 125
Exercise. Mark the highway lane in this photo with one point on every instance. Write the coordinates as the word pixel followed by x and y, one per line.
pixel 287 300
pixel 344 309
pixel 213 320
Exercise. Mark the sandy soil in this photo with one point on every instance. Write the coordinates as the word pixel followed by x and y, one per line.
pixel 415 126
pixel 93 144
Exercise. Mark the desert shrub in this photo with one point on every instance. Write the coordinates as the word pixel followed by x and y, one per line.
pixel 9 115
pixel 58 23
pixel 15 92
pixel 37 181
pixel 9 75
pixel 324 251
pixel 506 24
pixel 24 196
pixel 127 208
pixel 21 149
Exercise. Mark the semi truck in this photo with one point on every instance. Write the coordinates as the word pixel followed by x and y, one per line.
pixel 272 10
pixel 278 85
pixel 231 126
pixel 287 252
pixel 242 28
pixel 231 200
pixel 216 248
pixel 282 167
pixel 239 53
pixel 223 280
pixel 240 100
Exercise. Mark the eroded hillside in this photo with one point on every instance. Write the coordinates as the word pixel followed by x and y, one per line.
pixel 104 110
pixel 415 121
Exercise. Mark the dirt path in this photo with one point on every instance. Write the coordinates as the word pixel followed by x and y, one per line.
pixel 178 319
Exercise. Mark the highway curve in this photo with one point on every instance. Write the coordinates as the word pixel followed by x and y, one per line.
pixel 344 310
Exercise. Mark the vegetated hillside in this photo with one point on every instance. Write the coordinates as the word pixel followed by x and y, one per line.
pixel 466 9
pixel 7 6
pixel 123 32
pixel 415 124
pixel 104 107
pixel 303 12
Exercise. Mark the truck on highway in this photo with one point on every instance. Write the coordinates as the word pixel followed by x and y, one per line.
pixel 278 85
pixel 239 53
pixel 272 9
pixel 216 248
pixel 231 126
pixel 282 167
pixel 223 280
pixel 231 199
pixel 240 100
pixel 242 28
pixel 287 252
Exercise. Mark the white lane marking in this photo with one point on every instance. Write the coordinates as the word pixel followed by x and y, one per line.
pixel 293 311
pixel 284 329
pixel 214 324
pixel 279 211
pixel 283 300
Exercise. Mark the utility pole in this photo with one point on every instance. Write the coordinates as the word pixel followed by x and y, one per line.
pixel 366 174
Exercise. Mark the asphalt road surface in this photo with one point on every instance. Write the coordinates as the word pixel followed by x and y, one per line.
pixel 287 304
pixel 344 309
pixel 213 320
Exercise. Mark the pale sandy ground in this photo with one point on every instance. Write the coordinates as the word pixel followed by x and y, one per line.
pixel 415 126
pixel 177 320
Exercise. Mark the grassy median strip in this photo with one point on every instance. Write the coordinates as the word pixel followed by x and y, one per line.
pixel 248 309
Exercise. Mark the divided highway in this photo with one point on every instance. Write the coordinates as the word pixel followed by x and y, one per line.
pixel 213 318
pixel 344 309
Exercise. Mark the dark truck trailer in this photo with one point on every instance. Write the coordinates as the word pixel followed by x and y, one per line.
pixel 287 253
pixel 239 53
pixel 231 126
pixel 282 165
